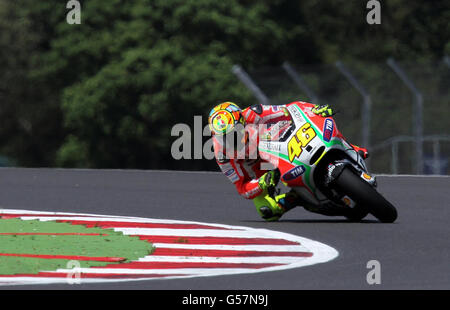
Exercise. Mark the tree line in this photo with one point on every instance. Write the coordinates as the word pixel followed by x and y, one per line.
pixel 105 93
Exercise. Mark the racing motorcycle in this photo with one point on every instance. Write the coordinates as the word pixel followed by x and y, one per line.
pixel 323 169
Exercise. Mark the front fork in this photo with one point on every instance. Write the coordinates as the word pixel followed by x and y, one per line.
pixel 332 199
pixel 335 169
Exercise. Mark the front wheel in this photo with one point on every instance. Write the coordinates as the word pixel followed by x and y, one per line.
pixel 365 195
pixel 357 213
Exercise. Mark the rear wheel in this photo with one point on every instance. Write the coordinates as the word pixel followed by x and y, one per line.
pixel 366 196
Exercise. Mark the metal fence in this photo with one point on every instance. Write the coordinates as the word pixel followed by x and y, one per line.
pixel 399 111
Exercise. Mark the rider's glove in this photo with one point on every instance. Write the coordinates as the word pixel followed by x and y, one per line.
pixel 322 110
pixel 269 181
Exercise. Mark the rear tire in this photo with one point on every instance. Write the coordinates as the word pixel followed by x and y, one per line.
pixel 366 196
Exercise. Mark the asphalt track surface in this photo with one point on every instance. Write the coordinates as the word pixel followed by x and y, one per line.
pixel 414 252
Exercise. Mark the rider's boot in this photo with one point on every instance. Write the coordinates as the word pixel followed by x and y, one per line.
pixel 271 209
pixel 268 208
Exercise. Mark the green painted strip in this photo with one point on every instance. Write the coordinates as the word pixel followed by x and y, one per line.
pixel 107 243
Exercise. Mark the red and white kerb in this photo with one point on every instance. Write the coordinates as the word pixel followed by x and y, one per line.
pixel 183 250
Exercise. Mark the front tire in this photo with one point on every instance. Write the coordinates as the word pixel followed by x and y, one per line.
pixel 365 195
pixel 357 214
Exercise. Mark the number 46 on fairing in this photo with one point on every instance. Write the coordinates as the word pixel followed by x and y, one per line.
pixel 300 140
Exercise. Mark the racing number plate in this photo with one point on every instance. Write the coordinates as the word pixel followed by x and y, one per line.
pixel 300 140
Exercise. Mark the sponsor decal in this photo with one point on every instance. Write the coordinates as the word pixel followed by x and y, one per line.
pixel 369 179
pixel 294 173
pixel 328 130
pixel 348 201
pixel 278 108
pixel 271 146
pixel 226 167
pixel 229 172
pixel 232 175
pixel 275 108
pixel 296 114
pixel 233 178
pixel 366 176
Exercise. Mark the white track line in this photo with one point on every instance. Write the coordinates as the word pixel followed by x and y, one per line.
pixel 183 271
pixel 188 232
pixel 265 248
pixel 236 260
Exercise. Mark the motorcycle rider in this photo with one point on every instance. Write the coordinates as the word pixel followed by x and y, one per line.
pixel 235 148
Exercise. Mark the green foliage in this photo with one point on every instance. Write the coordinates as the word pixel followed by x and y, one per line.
pixel 107 92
